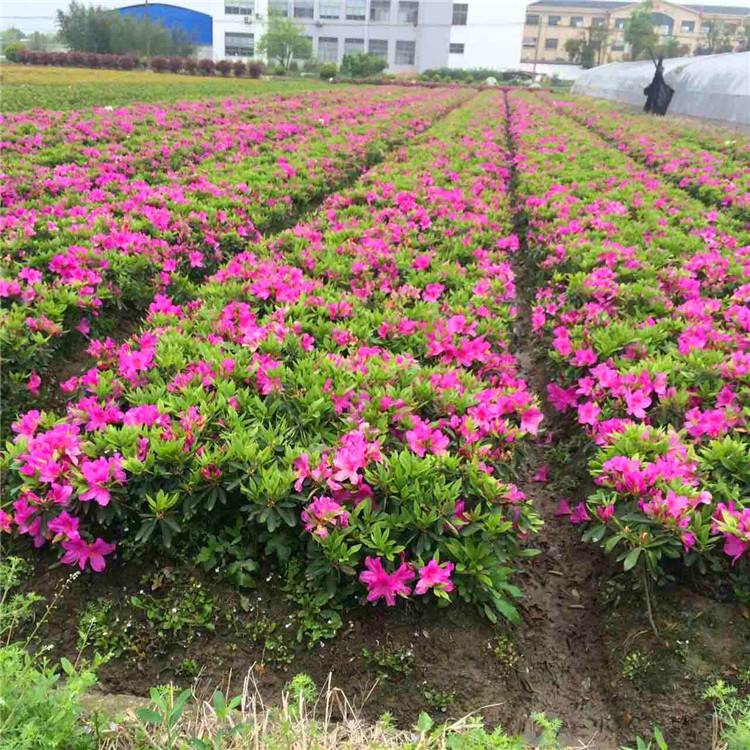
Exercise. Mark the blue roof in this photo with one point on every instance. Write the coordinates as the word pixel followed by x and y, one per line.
pixel 198 26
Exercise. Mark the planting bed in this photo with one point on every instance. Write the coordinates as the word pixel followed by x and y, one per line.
pixel 499 379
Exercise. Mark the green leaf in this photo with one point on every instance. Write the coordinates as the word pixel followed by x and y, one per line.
pixel 147 716
pixel 632 558
pixel 424 723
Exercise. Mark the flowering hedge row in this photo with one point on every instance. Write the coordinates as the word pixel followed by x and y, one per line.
pixel 707 170
pixel 190 65
pixel 645 300
pixel 341 396
pixel 105 208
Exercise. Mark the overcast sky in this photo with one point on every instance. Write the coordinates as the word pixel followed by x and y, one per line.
pixel 39 15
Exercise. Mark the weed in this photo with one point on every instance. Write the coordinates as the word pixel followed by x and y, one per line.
pixel 188 668
pixel 16 608
pixel 505 652
pixel 390 661
pixel 636 665
pixel 732 713
pixel 438 700
pixel 103 630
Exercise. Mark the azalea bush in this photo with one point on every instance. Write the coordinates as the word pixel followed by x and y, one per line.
pixel 341 395
pixel 643 302
pixel 712 167
pixel 105 208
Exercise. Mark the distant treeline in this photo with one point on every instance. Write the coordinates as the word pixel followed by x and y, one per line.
pixel 84 28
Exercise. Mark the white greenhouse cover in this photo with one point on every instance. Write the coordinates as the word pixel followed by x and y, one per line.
pixel 715 87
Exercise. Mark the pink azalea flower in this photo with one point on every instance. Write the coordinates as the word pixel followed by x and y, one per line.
pixel 97 473
pixel 383 585
pixel 636 403
pixel 321 513
pixel 64 525
pixel 423 438
pixel 580 514
pixel 531 419
pixel 588 413
pixel 542 475
pixel 34 383
pixel 434 575
pixel 561 398
pixel 605 513
pixel 6 521
pixel 79 552
pixel 735 547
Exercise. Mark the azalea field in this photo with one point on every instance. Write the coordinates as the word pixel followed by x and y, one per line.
pixel 444 392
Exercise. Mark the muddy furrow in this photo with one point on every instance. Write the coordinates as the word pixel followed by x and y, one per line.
pixel 563 647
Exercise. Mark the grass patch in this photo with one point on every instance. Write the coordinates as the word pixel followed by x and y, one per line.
pixel 28 87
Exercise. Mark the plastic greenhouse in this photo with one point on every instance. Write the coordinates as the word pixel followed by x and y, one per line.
pixel 715 87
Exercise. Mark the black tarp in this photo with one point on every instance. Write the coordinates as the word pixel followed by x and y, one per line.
pixel 658 93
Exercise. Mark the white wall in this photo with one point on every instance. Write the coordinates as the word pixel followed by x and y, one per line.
pixel 564 72
pixel 492 37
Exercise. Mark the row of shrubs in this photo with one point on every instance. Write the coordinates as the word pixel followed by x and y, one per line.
pixel 189 65
pixel 473 75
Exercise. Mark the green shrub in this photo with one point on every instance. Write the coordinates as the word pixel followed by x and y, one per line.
pixel 37 709
pixel 362 66
pixel 328 70
pixel 11 51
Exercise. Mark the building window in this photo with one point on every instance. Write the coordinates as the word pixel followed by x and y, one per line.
pixel 304 9
pixel 239 7
pixel 620 23
pixel 405 52
pixel 550 44
pixel 554 20
pixel 706 28
pixel 380 11
pixel 460 14
pixel 598 23
pixel 355 10
pixel 239 45
pixel 379 48
pixel 354 46
pixel 529 41
pixel 576 22
pixel 456 48
pixel 278 7
pixel 328 49
pixel 408 11
pixel 330 9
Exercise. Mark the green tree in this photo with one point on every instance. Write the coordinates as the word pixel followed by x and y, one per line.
pixel 744 36
pixel 86 28
pixel 11 35
pixel 639 32
pixel 718 38
pixel 39 42
pixel 284 41
pixel 588 56
pixel 597 41
pixel 670 48
pixel 574 47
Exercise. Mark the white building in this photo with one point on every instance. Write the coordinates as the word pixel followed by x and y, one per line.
pixel 411 35
pixel 487 34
